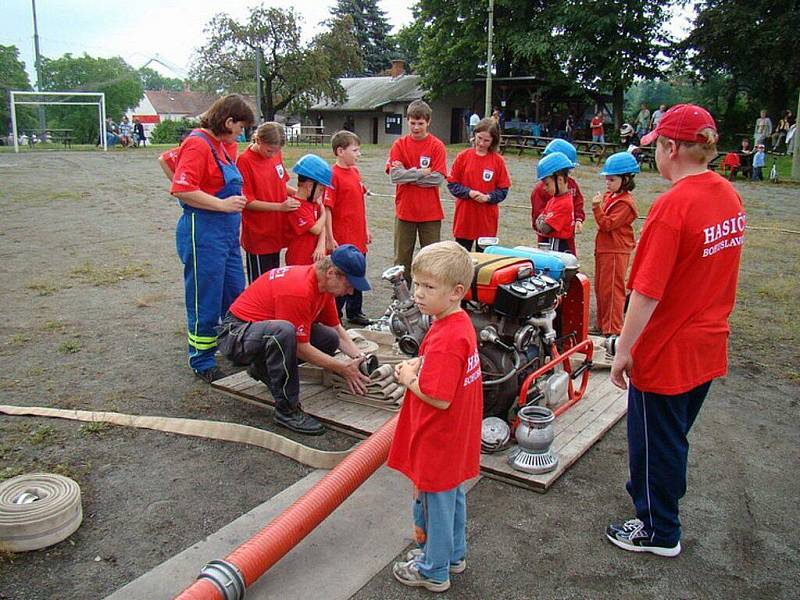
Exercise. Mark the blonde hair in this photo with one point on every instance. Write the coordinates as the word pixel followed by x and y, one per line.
pixel 699 152
pixel 446 262
pixel 270 134
pixel 344 139
pixel 419 109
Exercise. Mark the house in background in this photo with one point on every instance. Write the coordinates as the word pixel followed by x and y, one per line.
pixel 161 105
pixel 375 109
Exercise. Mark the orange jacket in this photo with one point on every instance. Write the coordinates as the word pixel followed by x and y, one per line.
pixel 615 216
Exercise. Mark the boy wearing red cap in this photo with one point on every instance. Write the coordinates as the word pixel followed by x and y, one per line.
pixel 674 340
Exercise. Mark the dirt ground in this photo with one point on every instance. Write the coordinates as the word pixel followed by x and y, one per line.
pixel 92 299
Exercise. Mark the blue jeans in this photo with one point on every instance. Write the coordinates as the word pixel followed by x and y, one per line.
pixel 599 138
pixel 657 455
pixel 440 521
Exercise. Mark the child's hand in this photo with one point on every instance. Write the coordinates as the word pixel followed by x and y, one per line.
pixel 406 371
pixel 397 164
pixel 598 198
pixel 578 227
pixel 290 204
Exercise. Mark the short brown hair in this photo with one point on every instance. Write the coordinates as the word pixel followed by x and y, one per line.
pixel 489 125
pixel 419 109
pixel 270 134
pixel 232 106
pixel 702 153
pixel 447 262
pixel 344 139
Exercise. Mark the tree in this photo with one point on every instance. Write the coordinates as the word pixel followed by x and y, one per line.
pixel 293 75
pixel 371 30
pixel 153 80
pixel 112 76
pixel 749 43
pixel 13 77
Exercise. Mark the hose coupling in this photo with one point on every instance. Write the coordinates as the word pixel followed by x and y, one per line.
pixel 226 577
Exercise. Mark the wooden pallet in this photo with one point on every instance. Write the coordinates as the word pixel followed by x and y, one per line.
pixel 576 430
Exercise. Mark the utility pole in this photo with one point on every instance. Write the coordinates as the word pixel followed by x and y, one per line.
pixel 38 66
pixel 258 86
pixel 487 106
pixel 796 157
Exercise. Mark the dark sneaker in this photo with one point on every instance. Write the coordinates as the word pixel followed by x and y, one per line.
pixel 407 574
pixel 210 375
pixel 631 536
pixel 360 319
pixel 457 567
pixel 299 421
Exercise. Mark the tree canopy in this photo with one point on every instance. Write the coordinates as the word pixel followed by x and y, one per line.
pixel 293 75
pixel 153 80
pixel 371 30
pixel 13 77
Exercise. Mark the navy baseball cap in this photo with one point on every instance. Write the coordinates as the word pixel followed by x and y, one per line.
pixel 349 260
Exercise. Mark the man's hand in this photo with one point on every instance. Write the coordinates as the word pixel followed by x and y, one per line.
pixel 620 369
pixel 356 380
pixel 290 204
pixel 233 204
pixel 406 371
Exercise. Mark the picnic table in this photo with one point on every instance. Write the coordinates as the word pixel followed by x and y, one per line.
pixel 53 136
pixel 596 151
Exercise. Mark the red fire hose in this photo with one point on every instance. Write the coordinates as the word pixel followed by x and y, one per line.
pixel 227 579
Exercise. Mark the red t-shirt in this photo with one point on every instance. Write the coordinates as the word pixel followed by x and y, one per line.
pixel 485 174
pixel 539 198
pixel 439 449
pixel 688 260
pixel 170 157
pixel 615 217
pixel 346 201
pixel 265 180
pixel 196 168
pixel 412 202
pixel 287 294
pixel 300 250
pixel 597 126
pixel 558 214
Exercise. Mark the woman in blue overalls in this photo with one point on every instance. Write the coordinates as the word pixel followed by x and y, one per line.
pixel 209 187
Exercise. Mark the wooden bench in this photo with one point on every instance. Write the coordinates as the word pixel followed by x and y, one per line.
pixel 596 151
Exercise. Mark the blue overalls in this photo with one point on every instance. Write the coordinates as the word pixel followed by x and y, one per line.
pixel 208 246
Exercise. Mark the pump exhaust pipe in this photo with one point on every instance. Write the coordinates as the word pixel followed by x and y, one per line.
pixel 227 579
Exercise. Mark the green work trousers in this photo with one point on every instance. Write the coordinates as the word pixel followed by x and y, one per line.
pixel 405 237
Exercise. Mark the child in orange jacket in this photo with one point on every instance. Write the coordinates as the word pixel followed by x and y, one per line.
pixel 614 212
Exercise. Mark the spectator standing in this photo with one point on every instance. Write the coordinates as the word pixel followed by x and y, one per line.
pixel 762 130
pixel 569 127
pixel 642 121
pixel 657 114
pixel 759 159
pixel 474 119
pixel 780 131
pixel 597 128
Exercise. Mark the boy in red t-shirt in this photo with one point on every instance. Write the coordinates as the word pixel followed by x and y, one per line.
pixel 417 165
pixel 307 224
pixel 598 134
pixel 557 221
pixel 346 214
pixel 438 436
pixel 268 202
pixel 479 181
pixel 675 338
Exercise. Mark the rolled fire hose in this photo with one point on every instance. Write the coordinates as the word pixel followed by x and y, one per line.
pixel 215 430
pixel 227 579
pixel 38 510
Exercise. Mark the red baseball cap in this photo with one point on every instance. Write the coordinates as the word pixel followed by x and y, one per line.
pixel 682 122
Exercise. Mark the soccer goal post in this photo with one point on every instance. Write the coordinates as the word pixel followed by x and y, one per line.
pixel 83 99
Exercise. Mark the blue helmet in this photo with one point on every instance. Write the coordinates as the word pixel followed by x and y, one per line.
pixel 553 163
pixel 314 168
pixel 621 163
pixel 563 146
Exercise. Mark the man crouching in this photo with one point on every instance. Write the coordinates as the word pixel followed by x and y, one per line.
pixel 290 313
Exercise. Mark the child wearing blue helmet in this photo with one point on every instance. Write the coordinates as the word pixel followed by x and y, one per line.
pixel 539 195
pixel 556 223
pixel 614 212
pixel 307 223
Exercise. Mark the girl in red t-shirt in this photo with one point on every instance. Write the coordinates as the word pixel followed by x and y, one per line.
pixel 557 221
pixel 614 212
pixel 479 181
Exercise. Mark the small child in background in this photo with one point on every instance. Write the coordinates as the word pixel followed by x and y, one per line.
pixel 540 195
pixel 614 212
pixel 759 158
pixel 307 224
pixel 437 442
pixel 346 215
pixel 556 222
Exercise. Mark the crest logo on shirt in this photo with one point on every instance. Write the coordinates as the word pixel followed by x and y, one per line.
pixel 424 162
pixel 301 221
pixel 281 171
pixel 488 174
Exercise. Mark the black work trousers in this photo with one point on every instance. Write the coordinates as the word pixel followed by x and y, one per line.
pixel 270 350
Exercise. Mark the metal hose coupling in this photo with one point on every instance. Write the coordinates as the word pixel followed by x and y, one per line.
pixel 226 577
